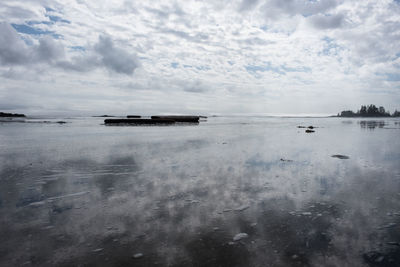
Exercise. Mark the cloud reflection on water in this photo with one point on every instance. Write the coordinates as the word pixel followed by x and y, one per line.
pixel 180 201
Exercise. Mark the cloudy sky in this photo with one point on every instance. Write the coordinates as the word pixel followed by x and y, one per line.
pixel 208 57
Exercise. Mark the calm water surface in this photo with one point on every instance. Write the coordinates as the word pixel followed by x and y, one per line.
pixel 85 194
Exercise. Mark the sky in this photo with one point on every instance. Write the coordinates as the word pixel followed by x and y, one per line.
pixel 198 57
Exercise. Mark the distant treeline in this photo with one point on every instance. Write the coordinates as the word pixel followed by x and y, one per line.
pixel 369 111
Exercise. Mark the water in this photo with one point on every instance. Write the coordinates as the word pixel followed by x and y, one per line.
pixel 85 194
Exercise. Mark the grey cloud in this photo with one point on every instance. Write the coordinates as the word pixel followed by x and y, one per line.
pixel 80 64
pixel 12 49
pixel 14 52
pixel 327 22
pixel 49 50
pixel 247 5
pixel 195 87
pixel 114 58
pixel 103 54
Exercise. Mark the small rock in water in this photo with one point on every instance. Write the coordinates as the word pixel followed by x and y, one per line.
pixel 340 156
pixel 310 131
pixel 240 236
pixel 137 255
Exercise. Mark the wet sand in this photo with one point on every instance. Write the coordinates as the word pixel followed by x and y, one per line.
pixel 227 192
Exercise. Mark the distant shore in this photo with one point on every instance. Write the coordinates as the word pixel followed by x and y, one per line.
pixel 370 111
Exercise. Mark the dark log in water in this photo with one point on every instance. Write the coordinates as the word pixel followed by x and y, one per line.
pixel 178 118
pixel 133 116
pixel 340 156
pixel 137 121
pixel 4 114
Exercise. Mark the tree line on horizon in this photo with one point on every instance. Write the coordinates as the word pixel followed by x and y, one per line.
pixel 369 111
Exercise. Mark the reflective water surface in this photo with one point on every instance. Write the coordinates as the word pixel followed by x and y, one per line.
pixel 231 191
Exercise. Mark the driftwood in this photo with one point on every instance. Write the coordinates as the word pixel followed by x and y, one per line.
pixel 178 118
pixel 4 114
pixel 137 121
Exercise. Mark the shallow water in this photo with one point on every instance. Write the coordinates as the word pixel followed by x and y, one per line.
pixel 85 194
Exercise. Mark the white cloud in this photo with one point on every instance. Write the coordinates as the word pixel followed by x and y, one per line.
pixel 265 54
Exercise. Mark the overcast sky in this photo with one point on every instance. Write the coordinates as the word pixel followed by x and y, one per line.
pixel 208 57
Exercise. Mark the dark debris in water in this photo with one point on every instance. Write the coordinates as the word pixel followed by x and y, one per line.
pixel 309 127
pixel 340 156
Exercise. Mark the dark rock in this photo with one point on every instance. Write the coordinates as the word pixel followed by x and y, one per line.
pixel 309 131
pixel 4 114
pixel 133 116
pixel 340 156
pixel 103 116
pixel 61 122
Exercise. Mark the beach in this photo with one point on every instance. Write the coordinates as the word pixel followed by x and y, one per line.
pixel 229 191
